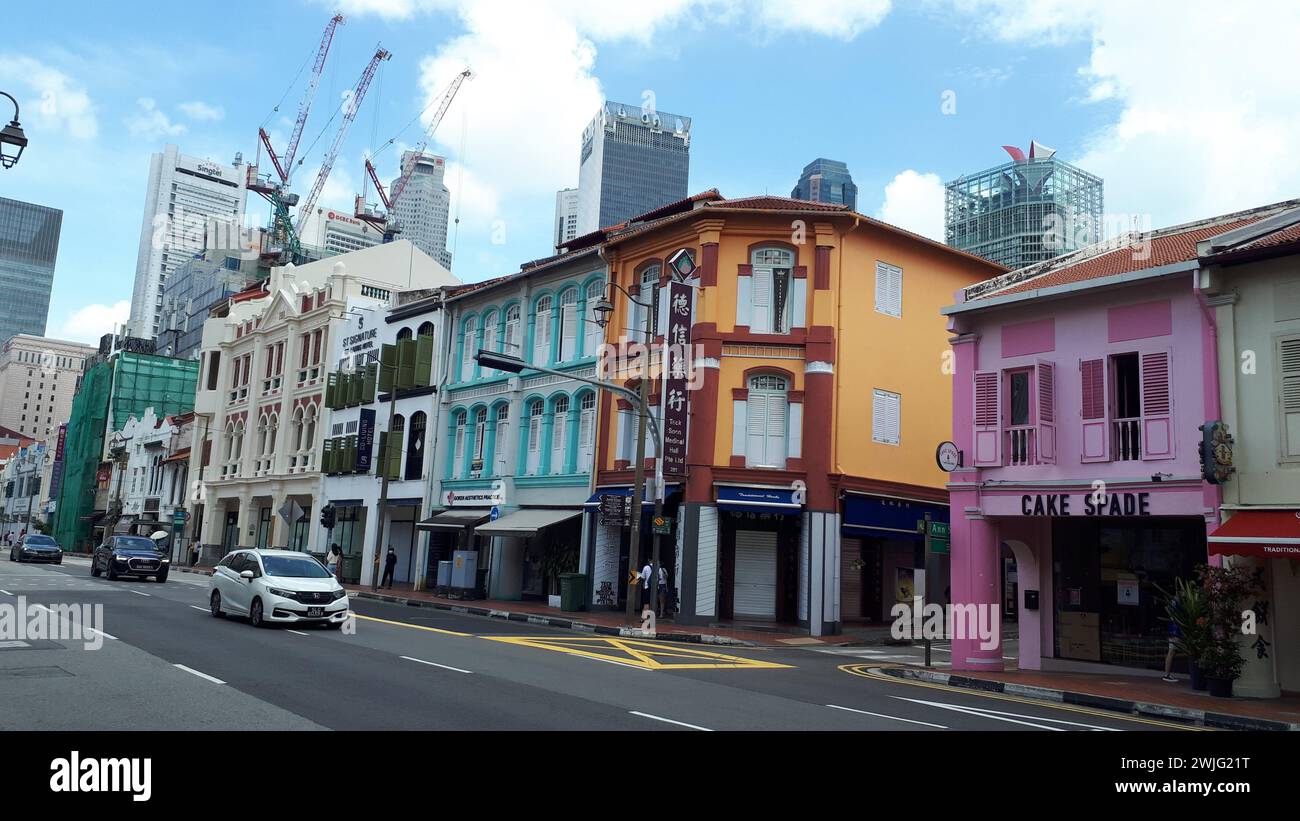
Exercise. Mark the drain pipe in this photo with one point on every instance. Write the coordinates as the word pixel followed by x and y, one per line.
pixel 1211 396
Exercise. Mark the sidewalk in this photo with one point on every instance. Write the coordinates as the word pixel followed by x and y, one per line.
pixel 1136 695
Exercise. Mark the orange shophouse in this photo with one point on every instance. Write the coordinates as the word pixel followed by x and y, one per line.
pixel 818 399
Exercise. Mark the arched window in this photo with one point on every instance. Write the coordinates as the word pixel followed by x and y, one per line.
pixel 297 429
pixel 766 415
pixel 535 411
pixel 512 345
pixel 239 440
pixel 309 423
pixel 649 280
pixel 490 327
pixel 503 430
pixel 426 329
pixel 772 269
pixel 480 434
pixel 263 427
pixel 458 440
pixel 568 325
pixel 405 333
pixel 542 331
pixel 593 334
pixel 587 432
pixel 559 428
pixel 415 446
pixel 228 443
pixel 470 342
pixel 272 424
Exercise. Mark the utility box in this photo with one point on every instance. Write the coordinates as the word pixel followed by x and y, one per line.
pixel 464 569
pixel 444 574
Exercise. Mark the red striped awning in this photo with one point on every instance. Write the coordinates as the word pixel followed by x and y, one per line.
pixel 1267 533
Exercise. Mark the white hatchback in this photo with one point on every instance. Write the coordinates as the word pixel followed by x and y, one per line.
pixel 276 586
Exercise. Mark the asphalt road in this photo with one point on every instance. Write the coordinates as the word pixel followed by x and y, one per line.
pixel 163 662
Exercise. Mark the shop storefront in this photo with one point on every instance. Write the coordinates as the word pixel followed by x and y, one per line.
pixel 449 531
pixel 879 537
pixel 530 549
pixel 608 522
pixel 758 554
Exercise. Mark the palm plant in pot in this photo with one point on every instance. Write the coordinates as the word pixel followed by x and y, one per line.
pixel 1186 609
pixel 1221 661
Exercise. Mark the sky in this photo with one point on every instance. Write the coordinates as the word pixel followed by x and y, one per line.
pixel 1186 109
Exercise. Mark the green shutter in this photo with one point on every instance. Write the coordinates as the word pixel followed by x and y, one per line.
pixel 394 455
pixel 381 458
pixel 406 363
pixel 354 389
pixel 368 383
pixel 424 361
pixel 387 367
pixel 350 454
pixel 331 382
pixel 327 456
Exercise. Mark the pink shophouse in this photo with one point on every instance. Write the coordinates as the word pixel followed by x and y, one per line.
pixel 1080 387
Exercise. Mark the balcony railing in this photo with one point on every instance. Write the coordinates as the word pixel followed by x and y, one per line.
pixel 1126 440
pixel 1021 449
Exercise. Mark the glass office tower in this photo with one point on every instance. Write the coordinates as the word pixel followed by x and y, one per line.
pixel 29 246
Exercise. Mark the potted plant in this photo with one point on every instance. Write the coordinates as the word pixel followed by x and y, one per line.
pixel 1221 662
pixel 1224 590
pixel 1186 609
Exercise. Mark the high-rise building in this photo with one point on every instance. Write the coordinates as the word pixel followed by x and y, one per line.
pixel 1028 210
pixel 566 216
pixel 633 160
pixel 194 288
pixel 38 378
pixel 826 180
pixel 330 231
pixel 422 210
pixel 29 246
pixel 188 200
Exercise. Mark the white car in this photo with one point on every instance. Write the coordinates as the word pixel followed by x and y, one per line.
pixel 276 587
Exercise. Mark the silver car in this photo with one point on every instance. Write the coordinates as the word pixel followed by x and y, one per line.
pixel 276 587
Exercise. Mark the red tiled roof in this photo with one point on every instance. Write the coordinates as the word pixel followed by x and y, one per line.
pixel 1286 236
pixel 767 202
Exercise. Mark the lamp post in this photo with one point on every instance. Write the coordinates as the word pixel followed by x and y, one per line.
pixel 12 138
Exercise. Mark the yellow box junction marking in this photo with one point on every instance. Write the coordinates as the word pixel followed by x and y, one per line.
pixel 648 655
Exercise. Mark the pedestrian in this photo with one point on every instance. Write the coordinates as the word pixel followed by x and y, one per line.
pixel 1174 635
pixel 332 560
pixel 663 591
pixel 390 565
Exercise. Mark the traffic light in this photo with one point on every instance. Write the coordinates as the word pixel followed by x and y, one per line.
pixel 327 517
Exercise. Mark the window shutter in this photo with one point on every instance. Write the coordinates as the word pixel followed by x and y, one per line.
pixel 569 331
pixel 393 464
pixel 327 456
pixel 534 443
pixel 503 429
pixel 1157 404
pixel 350 454
pixel 406 363
pixel 387 367
pixel 1095 438
pixel 988 433
pixel 884 417
pixel 490 336
pixel 331 381
pixel 774 448
pixel 512 337
pixel 1288 395
pixel 760 321
pixel 756 430
pixel 559 428
pixel 594 333
pixel 586 438
pixel 368 386
pixel 467 353
pixel 458 460
pixel 542 337
pixel 423 361
pixel 1046 373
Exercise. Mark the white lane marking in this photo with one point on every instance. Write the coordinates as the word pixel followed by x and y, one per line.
pixel 9 645
pixel 891 718
pixel 212 679
pixel 999 715
pixel 138 593
pixel 196 607
pixel 6 592
pixel 436 664
pixel 670 721
pixel 100 632
pixel 287 630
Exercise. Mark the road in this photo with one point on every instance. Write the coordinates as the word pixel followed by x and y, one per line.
pixel 165 663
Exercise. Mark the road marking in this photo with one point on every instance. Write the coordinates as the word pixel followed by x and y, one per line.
pixel 100 632
pixel 670 721
pixel 882 715
pixel 196 607
pixel 436 664
pixel 10 645
pixel 412 626
pixel 999 715
pixel 866 671
pixel 212 679
pixel 648 655
pixel 138 593
pixel 619 663
pixel 295 632
pixel 6 592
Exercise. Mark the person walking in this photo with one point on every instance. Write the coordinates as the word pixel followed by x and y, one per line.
pixel 332 561
pixel 390 565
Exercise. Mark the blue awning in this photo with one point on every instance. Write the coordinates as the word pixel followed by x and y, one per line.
pixel 886 517
pixel 758 500
pixel 594 499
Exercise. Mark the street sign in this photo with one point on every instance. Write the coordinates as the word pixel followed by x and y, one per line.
pixel 676 375
pixel 290 512
pixel 662 525
pixel 180 517
pixel 495 514
pixel 615 510
pixel 940 535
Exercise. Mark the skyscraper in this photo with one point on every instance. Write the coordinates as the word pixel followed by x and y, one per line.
pixel 29 246
pixel 187 201
pixel 826 180
pixel 421 212
pixel 566 216
pixel 1028 210
pixel 633 160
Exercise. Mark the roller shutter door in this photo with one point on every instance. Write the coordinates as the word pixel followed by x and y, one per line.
pixel 755 585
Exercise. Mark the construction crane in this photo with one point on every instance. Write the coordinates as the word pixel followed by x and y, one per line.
pixel 283 237
pixel 350 114
pixel 386 220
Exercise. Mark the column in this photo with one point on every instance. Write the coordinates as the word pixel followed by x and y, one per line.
pixel 975 590
pixel 1258 675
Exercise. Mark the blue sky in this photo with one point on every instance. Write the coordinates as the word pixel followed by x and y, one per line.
pixel 1118 89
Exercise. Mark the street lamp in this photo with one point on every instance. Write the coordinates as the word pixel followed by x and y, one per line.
pixel 11 135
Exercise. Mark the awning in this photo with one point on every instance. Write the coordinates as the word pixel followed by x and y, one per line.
pixel 182 455
pixel 525 522
pixel 758 500
pixel 594 499
pixel 887 517
pixel 1266 533
pixel 455 519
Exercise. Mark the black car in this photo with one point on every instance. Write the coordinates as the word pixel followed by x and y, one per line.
pixel 121 556
pixel 36 548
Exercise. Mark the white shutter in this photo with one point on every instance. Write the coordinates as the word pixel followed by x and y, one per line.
pixel 490 337
pixel 754 586
pixel 586 439
pixel 594 334
pixel 559 428
pixel 1289 395
pixel 467 359
pixel 503 431
pixel 885 417
pixel 569 331
pixel 459 469
pixel 512 336
pixel 889 289
pixel 542 338
pixel 776 424
pixel 756 429
pixel 760 322
pixel 534 443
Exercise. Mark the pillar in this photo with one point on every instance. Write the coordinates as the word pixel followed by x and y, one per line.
pixel 976 596
pixel 1259 677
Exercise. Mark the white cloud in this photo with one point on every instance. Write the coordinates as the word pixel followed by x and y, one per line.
pixel 915 201
pixel 1197 131
pixel 89 323
pixel 843 19
pixel 48 98
pixel 151 123
pixel 199 110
